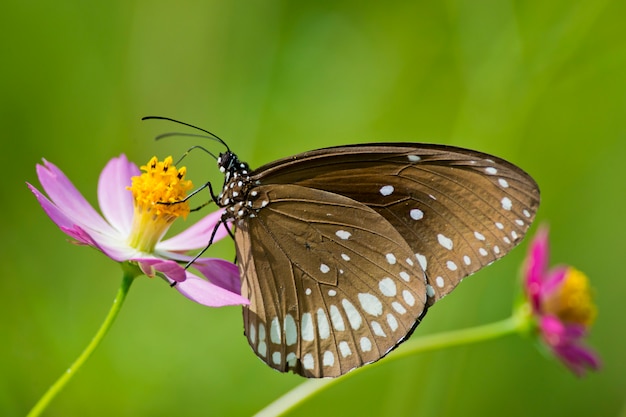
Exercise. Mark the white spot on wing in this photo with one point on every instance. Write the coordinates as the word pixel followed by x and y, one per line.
pixel 291 332
pixel 308 362
pixel 405 276
pixel 336 319
pixel 422 260
pixel 413 158
pixel 451 266
pixel 503 183
pixel 391 259
pixel 386 190
pixel 344 348
pixel 370 304
pixel 408 298
pixel 252 334
pixel 342 234
pixel 507 204
pixel 491 171
pixel 275 331
pixel 378 330
pixel 479 236
pixel 262 349
pixel 323 329
pixel 366 344
pixel 352 313
pixel 328 359
pixel 392 322
pixel 430 291
pixel 324 268
pixel 276 358
pixel 307 328
pixel 387 287
pixel 444 241
pixel 439 281
pixel 398 307
pixel 416 214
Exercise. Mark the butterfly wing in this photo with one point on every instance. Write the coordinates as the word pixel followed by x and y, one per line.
pixel 457 209
pixel 332 284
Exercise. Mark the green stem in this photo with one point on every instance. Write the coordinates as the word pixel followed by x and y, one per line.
pixel 60 383
pixel 292 399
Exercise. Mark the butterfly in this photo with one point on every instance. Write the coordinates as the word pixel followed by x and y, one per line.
pixel 342 250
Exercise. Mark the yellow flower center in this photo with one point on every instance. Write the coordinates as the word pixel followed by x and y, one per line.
pixel 572 301
pixel 160 183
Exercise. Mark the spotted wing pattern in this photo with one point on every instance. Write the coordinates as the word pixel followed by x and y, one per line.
pixel 332 285
pixel 459 210
pixel 343 249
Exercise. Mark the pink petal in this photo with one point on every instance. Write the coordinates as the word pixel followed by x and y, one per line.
pixel 65 196
pixel 196 236
pixel 553 280
pixel 171 269
pixel 205 293
pixel 109 245
pixel 536 266
pixel 578 358
pixel 56 215
pixel 565 341
pixel 220 272
pixel 116 202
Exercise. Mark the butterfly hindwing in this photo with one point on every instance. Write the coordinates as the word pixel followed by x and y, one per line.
pixel 332 284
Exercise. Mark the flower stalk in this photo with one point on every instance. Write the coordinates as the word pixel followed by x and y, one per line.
pixel 130 273
pixel 517 323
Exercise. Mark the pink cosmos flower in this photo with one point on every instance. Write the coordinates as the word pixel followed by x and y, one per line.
pixel 132 225
pixel 560 300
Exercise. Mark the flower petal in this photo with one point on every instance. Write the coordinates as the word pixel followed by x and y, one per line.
pixel 171 269
pixel 68 199
pixel 553 280
pixel 56 215
pixel 116 202
pixel 565 342
pixel 220 272
pixel 536 266
pixel 109 245
pixel 205 293
pixel 196 236
pixel 578 358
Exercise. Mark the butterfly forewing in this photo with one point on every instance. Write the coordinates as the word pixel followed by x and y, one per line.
pixel 331 284
pixel 458 210
pixel 343 249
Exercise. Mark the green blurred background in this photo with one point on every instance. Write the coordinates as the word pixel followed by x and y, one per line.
pixel 541 83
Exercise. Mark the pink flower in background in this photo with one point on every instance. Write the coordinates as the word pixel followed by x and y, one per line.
pixel 561 302
pixel 133 224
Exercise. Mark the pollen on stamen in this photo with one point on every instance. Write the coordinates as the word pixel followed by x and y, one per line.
pixel 160 183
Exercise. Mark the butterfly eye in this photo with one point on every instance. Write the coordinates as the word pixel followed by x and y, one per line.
pixel 342 250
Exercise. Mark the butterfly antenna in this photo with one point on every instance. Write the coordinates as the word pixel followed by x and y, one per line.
pixel 194 148
pixel 211 135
